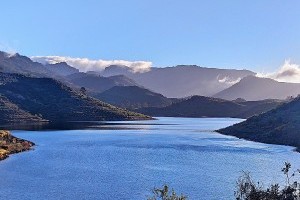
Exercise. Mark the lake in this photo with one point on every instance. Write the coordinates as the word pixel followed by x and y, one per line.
pixel 125 160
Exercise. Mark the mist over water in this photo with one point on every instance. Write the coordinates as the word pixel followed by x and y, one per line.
pixel 125 160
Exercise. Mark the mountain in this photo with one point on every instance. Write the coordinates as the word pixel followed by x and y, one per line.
pixel 200 106
pixel 133 97
pixel 255 88
pixel 182 80
pixel 11 113
pixel 97 83
pixel 278 126
pixel 114 70
pixel 22 65
pixel 62 69
pixel 54 101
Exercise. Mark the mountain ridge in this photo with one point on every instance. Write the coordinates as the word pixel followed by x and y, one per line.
pixel 256 88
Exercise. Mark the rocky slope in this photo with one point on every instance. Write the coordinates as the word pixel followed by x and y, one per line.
pixel 10 144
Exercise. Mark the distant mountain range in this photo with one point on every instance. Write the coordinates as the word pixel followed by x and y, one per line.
pixel 182 80
pixel 51 100
pixel 255 88
pixel 24 92
pixel 61 71
pixel 200 106
pixel 278 126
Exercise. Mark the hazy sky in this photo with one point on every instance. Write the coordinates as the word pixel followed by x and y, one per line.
pixel 253 34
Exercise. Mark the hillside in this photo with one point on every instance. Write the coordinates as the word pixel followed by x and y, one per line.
pixel 255 88
pixel 182 80
pixel 278 126
pixel 199 106
pixel 56 102
pixel 11 113
pixel 133 97
pixel 97 83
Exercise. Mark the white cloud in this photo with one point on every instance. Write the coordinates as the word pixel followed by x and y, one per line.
pixel 288 72
pixel 228 80
pixel 85 64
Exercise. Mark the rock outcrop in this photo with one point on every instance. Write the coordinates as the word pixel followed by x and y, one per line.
pixel 10 144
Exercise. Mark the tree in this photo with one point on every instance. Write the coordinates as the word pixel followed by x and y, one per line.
pixel 83 90
pixel 164 194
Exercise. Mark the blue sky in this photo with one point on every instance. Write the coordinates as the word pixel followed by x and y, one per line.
pixel 253 34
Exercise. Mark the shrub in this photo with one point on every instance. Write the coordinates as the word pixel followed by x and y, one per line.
pixel 165 194
pixel 247 189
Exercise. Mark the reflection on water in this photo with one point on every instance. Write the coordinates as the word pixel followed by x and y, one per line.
pixel 125 160
pixel 80 125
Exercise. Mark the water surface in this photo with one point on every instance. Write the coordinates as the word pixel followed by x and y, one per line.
pixel 125 160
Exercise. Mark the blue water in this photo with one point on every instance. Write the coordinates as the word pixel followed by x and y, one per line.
pixel 126 160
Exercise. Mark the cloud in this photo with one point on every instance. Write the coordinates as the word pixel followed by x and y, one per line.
pixel 85 64
pixel 288 72
pixel 228 80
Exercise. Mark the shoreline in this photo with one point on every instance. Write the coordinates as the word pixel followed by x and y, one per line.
pixel 10 144
pixel 295 148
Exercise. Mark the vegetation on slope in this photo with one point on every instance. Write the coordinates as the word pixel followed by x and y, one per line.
pixel 52 100
pixel 11 113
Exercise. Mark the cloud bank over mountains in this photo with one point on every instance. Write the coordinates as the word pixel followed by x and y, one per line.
pixel 85 64
pixel 288 72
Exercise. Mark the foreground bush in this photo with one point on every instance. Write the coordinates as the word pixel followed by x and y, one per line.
pixel 166 194
pixel 247 189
